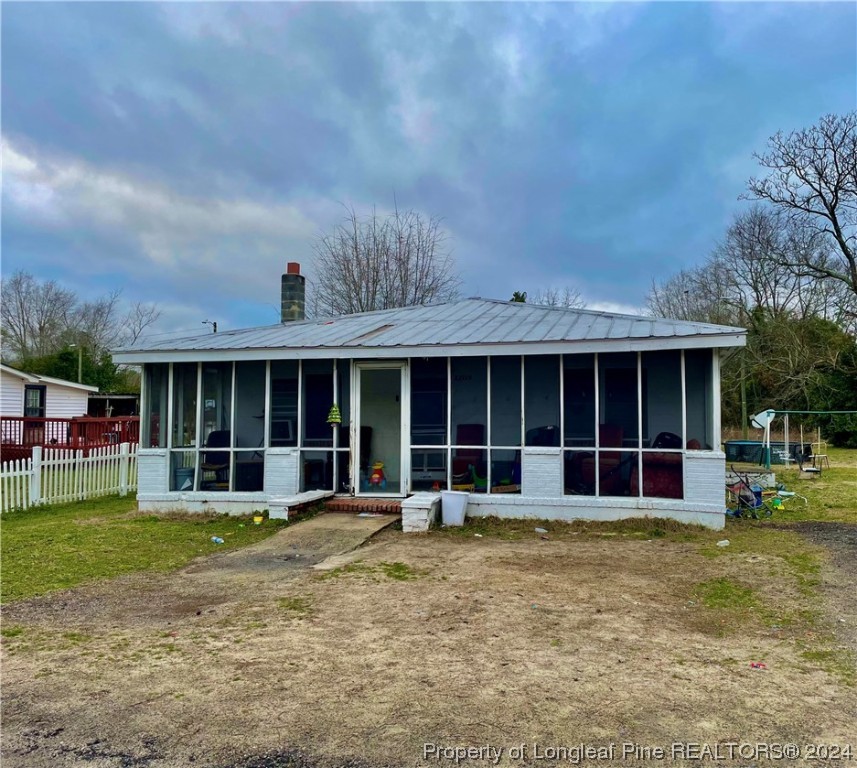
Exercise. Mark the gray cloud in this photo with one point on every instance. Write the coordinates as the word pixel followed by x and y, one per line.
pixel 598 145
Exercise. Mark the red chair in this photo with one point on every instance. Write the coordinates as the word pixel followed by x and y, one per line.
pixel 610 471
pixel 463 458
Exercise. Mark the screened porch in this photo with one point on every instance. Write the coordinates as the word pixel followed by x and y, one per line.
pixel 617 424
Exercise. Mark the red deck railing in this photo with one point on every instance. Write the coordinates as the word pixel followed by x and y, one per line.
pixel 80 432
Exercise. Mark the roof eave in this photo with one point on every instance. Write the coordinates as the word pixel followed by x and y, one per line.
pixel 691 341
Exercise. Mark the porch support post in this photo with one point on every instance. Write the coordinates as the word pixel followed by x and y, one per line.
pixel 715 398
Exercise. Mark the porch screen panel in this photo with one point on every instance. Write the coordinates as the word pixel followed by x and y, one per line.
pixel 579 471
pixel 249 470
pixel 662 399
pixel 505 401
pixel 469 428
pixel 317 470
pixel 469 401
pixel 700 405
pixel 249 404
pixel 428 401
pixel 617 471
pixel 428 469
pixel 217 402
pixel 284 403
pixel 317 397
pixel 184 404
pixel 617 383
pixel 182 470
pixel 155 418
pixel 505 471
pixel 579 400
pixel 541 400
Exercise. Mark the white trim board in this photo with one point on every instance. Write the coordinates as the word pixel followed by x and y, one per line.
pixel 647 344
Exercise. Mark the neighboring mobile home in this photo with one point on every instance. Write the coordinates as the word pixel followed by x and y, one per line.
pixel 28 394
pixel 537 411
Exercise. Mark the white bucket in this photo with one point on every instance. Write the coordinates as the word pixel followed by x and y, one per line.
pixel 452 506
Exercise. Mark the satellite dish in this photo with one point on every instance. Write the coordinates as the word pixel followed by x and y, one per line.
pixel 763 419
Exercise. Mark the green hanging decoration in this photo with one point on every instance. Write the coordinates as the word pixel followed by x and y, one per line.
pixel 334 416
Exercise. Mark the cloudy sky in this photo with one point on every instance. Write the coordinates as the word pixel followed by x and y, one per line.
pixel 185 152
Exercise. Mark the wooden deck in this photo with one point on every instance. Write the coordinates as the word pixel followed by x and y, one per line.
pixel 18 434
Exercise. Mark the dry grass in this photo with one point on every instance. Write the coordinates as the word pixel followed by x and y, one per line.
pixel 629 632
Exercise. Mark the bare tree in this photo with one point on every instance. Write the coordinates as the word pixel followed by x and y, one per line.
pixel 747 272
pixel 138 317
pixel 812 180
pixel 566 298
pixel 381 262
pixel 41 318
pixel 35 315
pixel 98 321
pixel 703 295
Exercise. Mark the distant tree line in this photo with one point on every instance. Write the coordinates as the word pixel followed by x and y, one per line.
pixel 786 269
pixel 49 330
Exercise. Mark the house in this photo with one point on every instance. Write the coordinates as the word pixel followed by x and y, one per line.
pixel 29 394
pixel 41 410
pixel 537 411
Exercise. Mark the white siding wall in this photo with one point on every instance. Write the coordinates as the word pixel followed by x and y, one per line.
pixel 64 402
pixel 11 395
pixel 60 402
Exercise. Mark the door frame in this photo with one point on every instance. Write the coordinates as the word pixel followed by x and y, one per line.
pixel 357 368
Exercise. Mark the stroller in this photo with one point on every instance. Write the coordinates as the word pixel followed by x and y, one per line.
pixel 745 499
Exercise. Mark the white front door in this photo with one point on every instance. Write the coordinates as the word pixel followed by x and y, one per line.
pixel 381 461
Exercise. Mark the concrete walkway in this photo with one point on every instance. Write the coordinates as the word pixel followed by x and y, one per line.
pixel 301 545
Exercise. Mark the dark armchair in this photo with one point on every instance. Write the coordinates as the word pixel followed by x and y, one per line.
pixel 215 464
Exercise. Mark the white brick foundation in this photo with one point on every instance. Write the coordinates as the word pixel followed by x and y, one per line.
pixel 420 512
pixel 541 473
pixel 282 469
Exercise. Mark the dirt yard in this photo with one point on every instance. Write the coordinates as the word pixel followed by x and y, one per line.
pixel 584 636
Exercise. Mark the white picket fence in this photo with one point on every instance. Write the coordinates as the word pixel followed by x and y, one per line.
pixel 56 475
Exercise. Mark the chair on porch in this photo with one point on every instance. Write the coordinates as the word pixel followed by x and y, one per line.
pixel 465 458
pixel 215 464
pixel 610 463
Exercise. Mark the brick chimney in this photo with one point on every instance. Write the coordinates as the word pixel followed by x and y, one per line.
pixel 293 294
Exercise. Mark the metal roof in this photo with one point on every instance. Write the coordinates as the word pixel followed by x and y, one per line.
pixel 466 323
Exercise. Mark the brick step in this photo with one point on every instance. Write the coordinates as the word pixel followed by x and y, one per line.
pixel 385 506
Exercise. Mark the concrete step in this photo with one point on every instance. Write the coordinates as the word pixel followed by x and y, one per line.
pixel 355 506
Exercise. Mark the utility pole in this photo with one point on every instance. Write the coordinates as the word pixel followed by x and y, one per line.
pixel 744 427
pixel 79 362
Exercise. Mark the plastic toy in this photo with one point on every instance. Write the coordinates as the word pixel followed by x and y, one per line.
pixel 377 477
pixel 481 483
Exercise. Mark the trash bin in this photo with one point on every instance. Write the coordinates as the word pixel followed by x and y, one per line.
pixel 183 478
pixel 452 506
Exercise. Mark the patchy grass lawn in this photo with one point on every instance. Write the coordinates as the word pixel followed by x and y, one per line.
pixel 638 631
pixel 57 547
pixel 832 497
